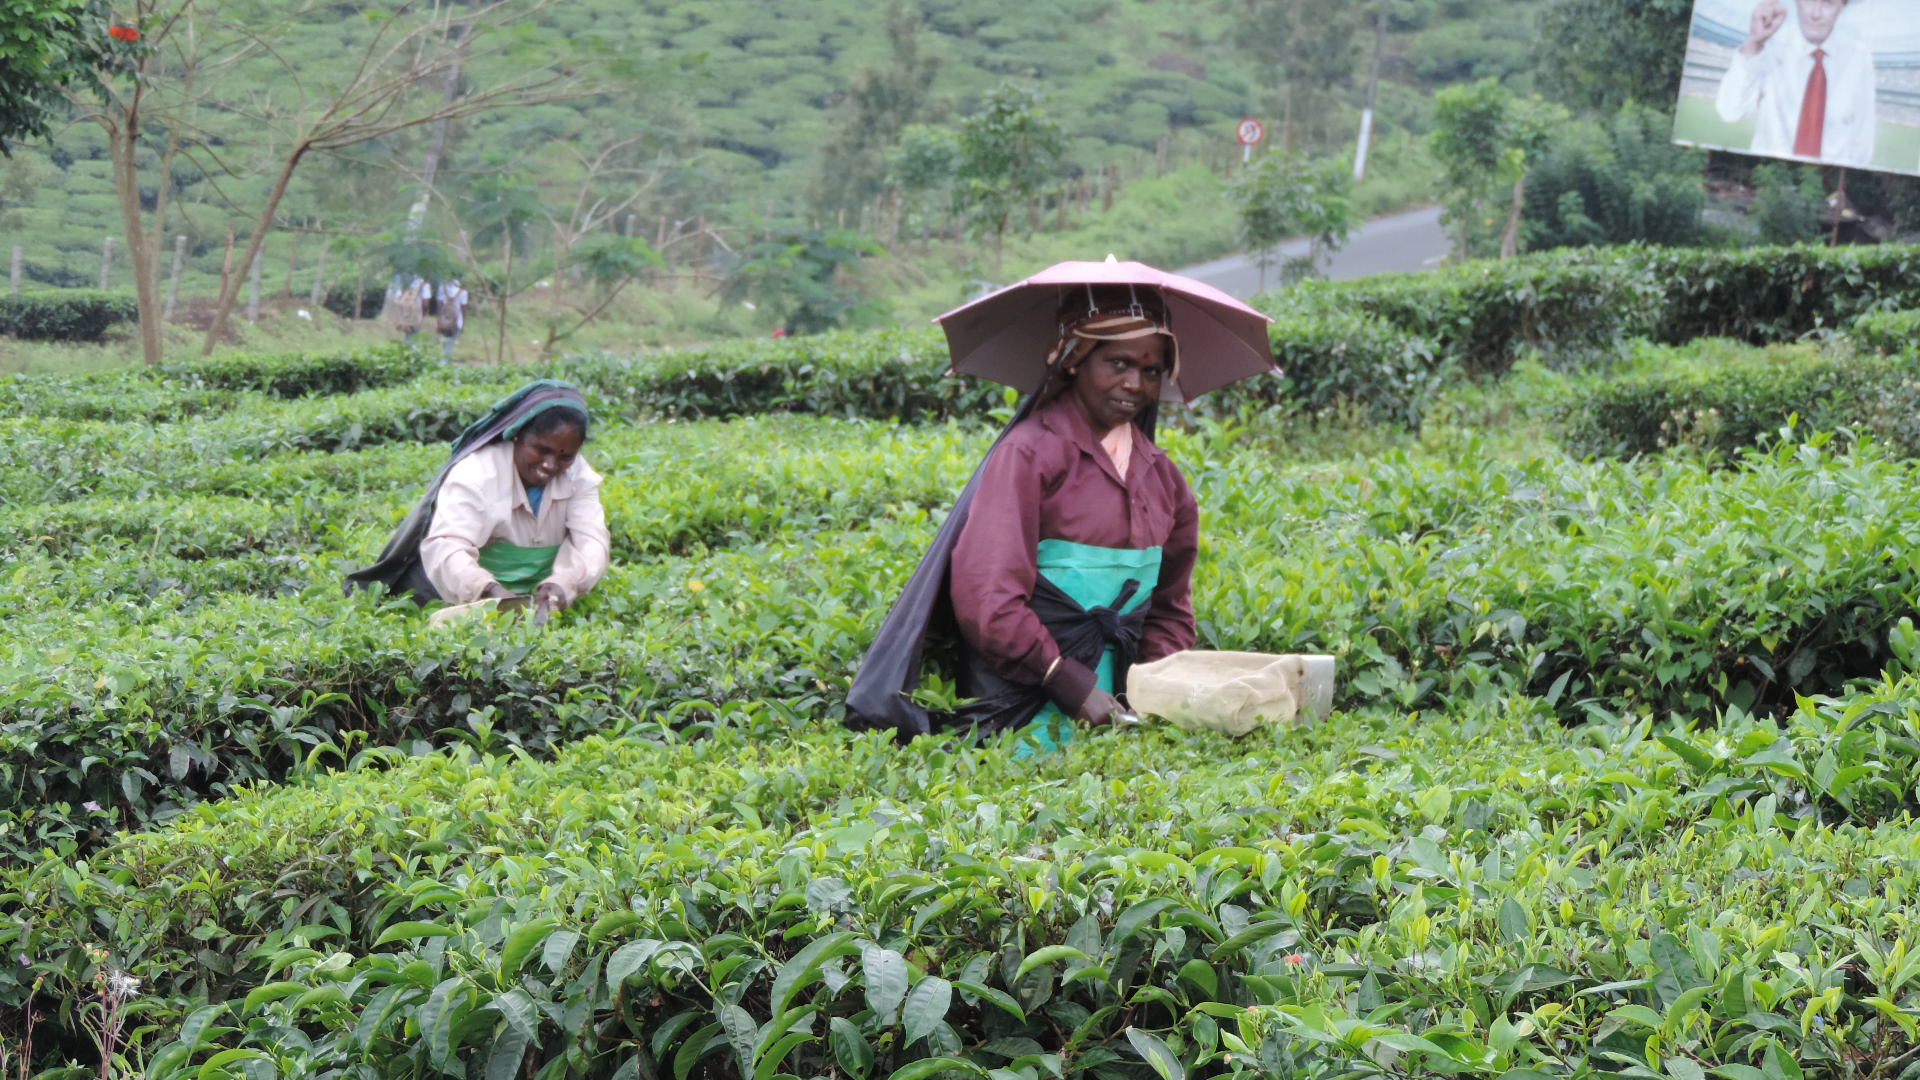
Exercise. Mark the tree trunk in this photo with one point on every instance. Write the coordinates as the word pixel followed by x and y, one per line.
pixel 122 144
pixel 506 285
pixel 226 259
pixel 437 146
pixel 293 265
pixel 173 279
pixel 1510 237
pixel 229 291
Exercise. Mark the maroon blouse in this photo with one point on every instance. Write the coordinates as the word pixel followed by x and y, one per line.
pixel 1047 479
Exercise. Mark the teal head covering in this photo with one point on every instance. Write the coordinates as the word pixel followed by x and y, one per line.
pixel 510 415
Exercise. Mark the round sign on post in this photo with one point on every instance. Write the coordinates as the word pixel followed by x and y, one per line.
pixel 1249 132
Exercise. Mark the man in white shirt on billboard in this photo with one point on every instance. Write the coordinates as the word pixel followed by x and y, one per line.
pixel 1809 88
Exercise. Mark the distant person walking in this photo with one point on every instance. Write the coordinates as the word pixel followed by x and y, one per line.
pixel 453 316
pixel 1809 85
pixel 406 305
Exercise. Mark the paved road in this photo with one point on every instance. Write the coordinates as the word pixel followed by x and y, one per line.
pixel 1409 241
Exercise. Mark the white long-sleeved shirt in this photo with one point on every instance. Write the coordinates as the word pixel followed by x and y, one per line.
pixel 1771 86
pixel 455 295
pixel 482 500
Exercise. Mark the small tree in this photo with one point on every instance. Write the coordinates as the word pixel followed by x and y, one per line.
pixel 46 45
pixel 1284 195
pixel 1010 151
pixel 1621 183
pixel 502 209
pixel 1787 203
pixel 922 167
pixel 1600 54
pixel 610 263
pixel 806 275
pixel 1302 52
pixel 153 90
pixel 1483 138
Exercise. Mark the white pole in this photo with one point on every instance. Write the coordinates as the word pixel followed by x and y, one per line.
pixel 173 279
pixel 1360 151
pixel 1246 153
pixel 253 288
pixel 1373 92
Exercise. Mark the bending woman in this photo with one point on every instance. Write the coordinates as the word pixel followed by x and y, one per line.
pixel 1076 553
pixel 516 510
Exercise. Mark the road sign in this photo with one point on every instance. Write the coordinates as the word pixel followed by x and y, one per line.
pixel 1250 132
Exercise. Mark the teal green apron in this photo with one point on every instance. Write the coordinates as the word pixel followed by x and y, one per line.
pixel 521 569
pixel 1093 576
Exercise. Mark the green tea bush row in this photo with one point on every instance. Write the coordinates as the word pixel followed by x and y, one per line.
pixel 306 374
pixel 1852 757
pixel 1381 895
pixel 70 315
pixel 49 459
pixel 1604 590
pixel 1729 407
pixel 149 705
pixel 180 390
pixel 1574 307
pixel 1886 331
pixel 1337 357
pixel 1767 294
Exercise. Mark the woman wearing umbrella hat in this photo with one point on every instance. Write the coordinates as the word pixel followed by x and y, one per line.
pixel 1068 556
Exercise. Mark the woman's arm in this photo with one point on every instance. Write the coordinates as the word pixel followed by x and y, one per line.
pixel 1169 624
pixel 582 559
pixel 451 552
pixel 993 571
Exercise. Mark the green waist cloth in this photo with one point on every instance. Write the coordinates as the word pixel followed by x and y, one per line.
pixel 1093 576
pixel 521 569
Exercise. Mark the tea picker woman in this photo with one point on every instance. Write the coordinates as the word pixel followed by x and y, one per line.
pixel 515 511
pixel 1069 556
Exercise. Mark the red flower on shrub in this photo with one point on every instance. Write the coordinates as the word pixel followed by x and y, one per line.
pixel 124 33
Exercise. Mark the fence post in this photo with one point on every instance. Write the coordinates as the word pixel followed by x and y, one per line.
pixel 226 262
pixel 19 266
pixel 253 287
pixel 173 279
pixel 319 279
pixel 106 261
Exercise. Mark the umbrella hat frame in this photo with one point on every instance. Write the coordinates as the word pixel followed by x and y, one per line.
pixel 1005 336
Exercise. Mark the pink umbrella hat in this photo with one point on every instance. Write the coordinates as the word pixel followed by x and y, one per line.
pixel 1005 336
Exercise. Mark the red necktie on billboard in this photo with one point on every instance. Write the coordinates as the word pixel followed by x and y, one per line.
pixel 1813 110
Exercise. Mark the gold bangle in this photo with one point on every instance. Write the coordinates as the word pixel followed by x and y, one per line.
pixel 1051 668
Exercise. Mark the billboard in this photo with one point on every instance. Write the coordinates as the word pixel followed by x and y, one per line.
pixel 1832 81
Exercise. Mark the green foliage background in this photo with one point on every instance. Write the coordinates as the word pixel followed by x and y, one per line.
pixel 745 113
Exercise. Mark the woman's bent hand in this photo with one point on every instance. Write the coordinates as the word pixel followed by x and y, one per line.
pixel 1099 708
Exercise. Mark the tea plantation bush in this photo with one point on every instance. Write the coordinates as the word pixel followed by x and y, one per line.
pixel 1597 587
pixel 1886 331
pixel 75 315
pixel 1576 308
pixel 1624 780
pixel 1380 895
pixel 1729 407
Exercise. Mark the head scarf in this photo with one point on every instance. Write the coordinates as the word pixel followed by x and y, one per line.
pixel 1091 315
pixel 398 567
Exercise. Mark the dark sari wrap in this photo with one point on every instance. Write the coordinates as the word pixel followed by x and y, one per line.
pixel 881 695
pixel 398 567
